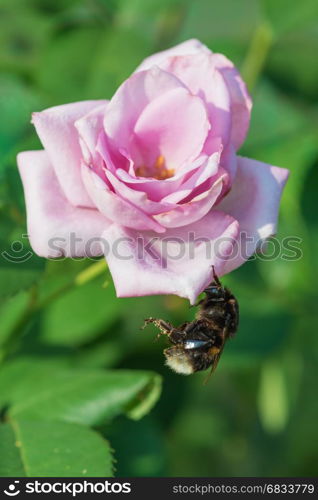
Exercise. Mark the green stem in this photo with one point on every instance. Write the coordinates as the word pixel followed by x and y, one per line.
pixel 19 325
pixel 256 56
pixel 80 279
pixel 34 305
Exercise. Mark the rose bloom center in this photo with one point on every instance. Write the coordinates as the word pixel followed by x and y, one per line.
pixel 158 170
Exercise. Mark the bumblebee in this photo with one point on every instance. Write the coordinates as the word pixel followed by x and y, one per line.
pixel 198 345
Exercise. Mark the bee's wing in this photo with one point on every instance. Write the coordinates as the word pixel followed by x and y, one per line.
pixel 217 357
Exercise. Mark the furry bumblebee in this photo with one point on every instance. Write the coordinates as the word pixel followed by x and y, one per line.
pixel 198 345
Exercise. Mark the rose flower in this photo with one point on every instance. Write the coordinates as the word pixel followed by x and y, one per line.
pixel 151 178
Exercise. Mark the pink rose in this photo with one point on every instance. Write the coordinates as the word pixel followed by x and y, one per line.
pixel 153 174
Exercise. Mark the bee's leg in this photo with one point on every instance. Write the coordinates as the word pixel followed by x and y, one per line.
pixel 215 286
pixel 215 277
pixel 164 326
pixel 231 320
pixel 183 326
pixel 197 329
pixel 177 335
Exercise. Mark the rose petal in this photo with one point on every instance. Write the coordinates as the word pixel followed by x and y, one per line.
pixel 254 202
pixel 114 207
pixel 180 263
pixel 137 198
pixel 241 102
pixel 190 212
pixel 174 126
pixel 89 128
pixel 199 74
pixel 169 214
pixel 131 98
pixel 55 127
pixel 52 221
pixel 192 46
pixel 157 189
pixel 192 62
pixel 228 161
pixel 205 171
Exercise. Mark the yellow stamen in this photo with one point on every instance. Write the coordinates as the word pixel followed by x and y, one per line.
pixel 158 171
pixel 160 162
pixel 141 172
pixel 165 173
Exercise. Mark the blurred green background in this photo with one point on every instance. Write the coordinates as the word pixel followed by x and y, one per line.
pixel 258 414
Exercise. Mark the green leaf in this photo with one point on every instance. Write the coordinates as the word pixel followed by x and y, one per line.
pixel 147 448
pixel 54 6
pixel 19 269
pixel 52 449
pixel 285 15
pixel 119 53
pixel 309 198
pixel 10 459
pixel 292 64
pixel 158 20
pixel 210 22
pixel 17 101
pixel 66 65
pixel 10 312
pixel 89 397
pixel 100 354
pixel 272 398
pixel 80 315
pixel 258 337
pixel 23 33
pixel 282 134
